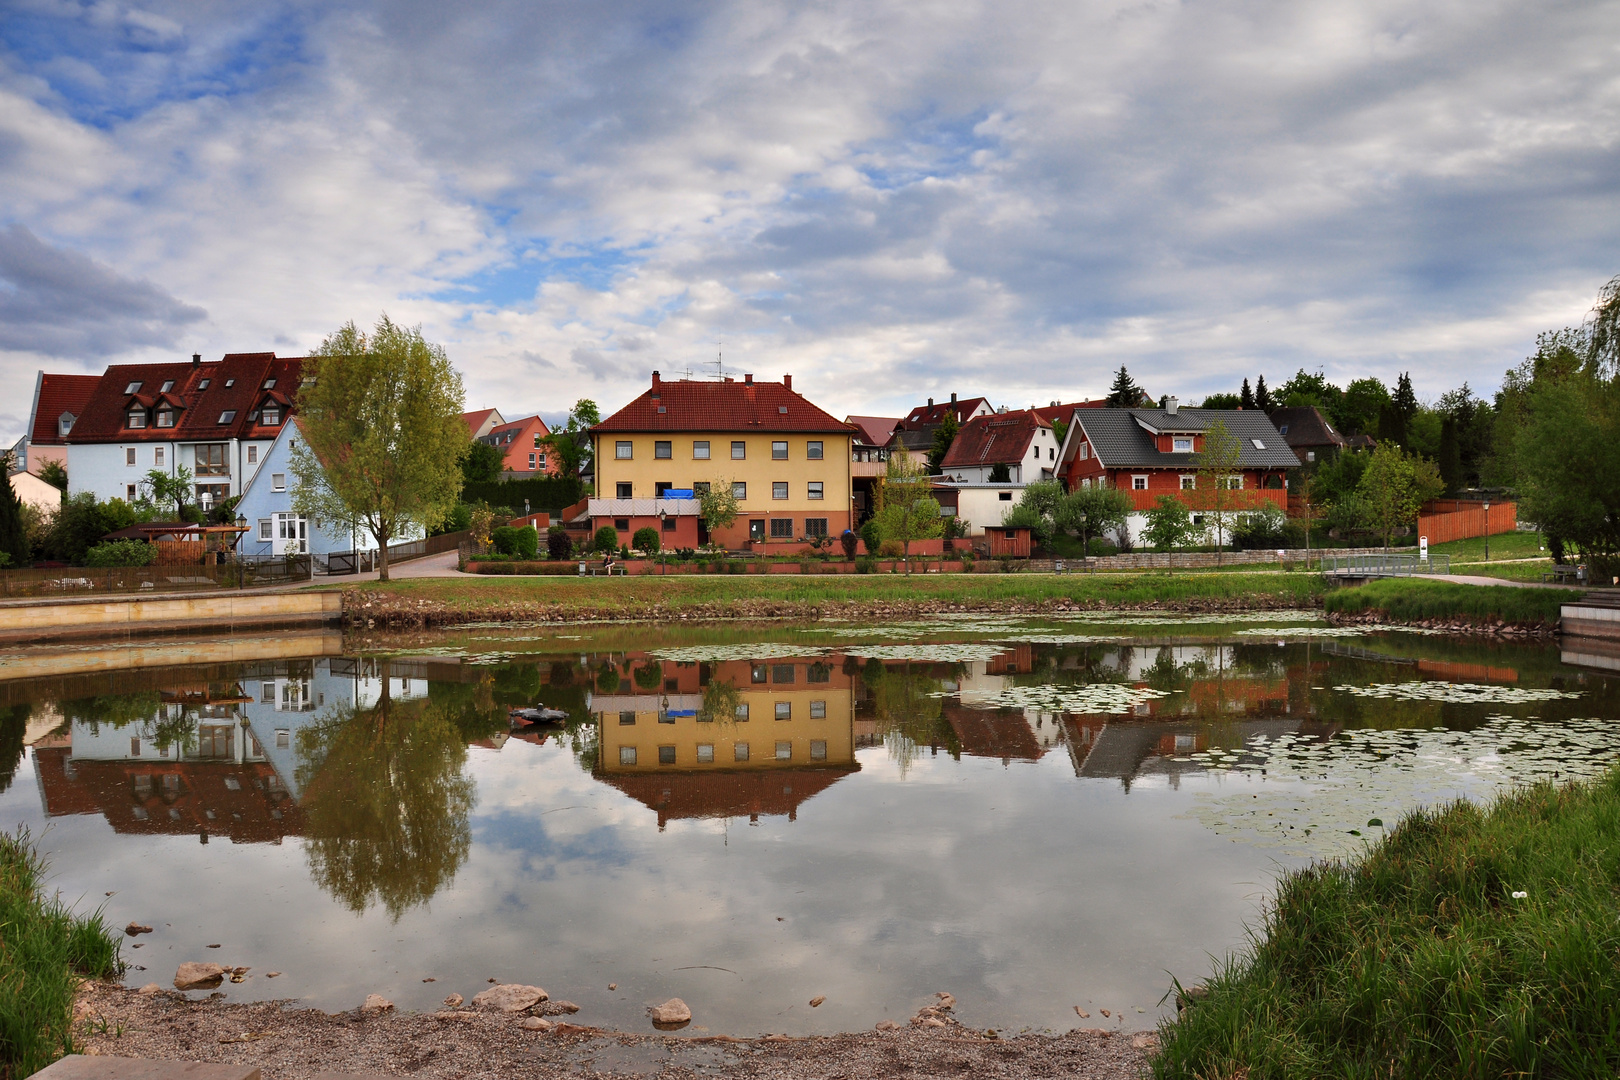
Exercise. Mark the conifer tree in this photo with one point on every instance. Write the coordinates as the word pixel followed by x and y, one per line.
pixel 13 540
pixel 1124 394
pixel 1262 396
pixel 1246 396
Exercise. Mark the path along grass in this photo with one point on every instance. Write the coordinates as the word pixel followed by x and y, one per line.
pixel 1468 943
pixel 1415 600
pixel 44 951
pixel 440 599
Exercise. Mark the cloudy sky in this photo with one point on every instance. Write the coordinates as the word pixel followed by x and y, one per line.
pixel 887 200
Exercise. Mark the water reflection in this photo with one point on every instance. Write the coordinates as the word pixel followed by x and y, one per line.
pixel 1033 798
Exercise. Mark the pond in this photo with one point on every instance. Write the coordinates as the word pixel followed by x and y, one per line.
pixel 1037 815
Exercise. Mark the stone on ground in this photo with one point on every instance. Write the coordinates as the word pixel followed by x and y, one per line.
pixel 193 975
pixel 673 1011
pixel 510 997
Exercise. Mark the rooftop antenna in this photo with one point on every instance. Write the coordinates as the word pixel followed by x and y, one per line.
pixel 719 361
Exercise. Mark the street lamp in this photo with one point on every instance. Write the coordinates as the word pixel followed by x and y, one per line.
pixel 241 530
pixel 662 514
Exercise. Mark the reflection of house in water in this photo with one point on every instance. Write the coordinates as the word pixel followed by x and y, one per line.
pixel 1127 750
pixel 727 739
pixel 213 758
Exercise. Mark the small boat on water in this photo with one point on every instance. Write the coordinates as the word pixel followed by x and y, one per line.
pixel 537 715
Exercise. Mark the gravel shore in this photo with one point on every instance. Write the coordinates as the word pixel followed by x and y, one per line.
pixel 289 1042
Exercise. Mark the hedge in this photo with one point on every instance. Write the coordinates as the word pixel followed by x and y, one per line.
pixel 544 493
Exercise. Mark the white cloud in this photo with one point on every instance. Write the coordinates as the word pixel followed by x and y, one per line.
pixel 890 201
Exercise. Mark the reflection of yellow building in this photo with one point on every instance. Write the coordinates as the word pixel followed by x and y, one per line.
pixel 787 715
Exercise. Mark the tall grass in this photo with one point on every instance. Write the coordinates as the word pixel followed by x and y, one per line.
pixel 1412 600
pixel 44 952
pixel 1420 959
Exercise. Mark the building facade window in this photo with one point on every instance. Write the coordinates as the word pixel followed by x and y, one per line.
pixel 165 418
pixel 531 462
pixel 624 449
pixel 784 751
pixel 781 528
pixel 666 755
pixel 663 449
pixel 739 490
pixel 705 753
pixel 779 489
pixel 815 526
pixel 1183 446
pixel 814 489
pixel 742 712
pixel 278 481
pixel 253 455
pixel 264 529
pixel 779 451
pixel 782 674
pixel 157 456
pixel 137 418
pixel 622 489
pixel 129 493
pixel 739 751
pixel 627 755
pixel 739 451
pixel 209 460
pixel 129 455
pixel 814 450
pixel 621 524
pixel 272 415
pixel 818 749
pixel 670 523
pixel 818 710
pixel 700 450
pixel 1139 483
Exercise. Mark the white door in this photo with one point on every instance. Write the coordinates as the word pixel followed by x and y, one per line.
pixel 291 535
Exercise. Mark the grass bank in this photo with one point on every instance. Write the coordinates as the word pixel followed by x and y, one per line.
pixel 44 952
pixel 1468 943
pixel 449 601
pixel 1420 601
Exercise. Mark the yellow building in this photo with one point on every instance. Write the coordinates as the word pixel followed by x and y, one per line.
pixel 787 461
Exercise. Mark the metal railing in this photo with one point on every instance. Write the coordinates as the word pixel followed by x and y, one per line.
pixel 1385 564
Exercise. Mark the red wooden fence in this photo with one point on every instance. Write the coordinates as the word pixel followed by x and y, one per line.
pixel 1459 519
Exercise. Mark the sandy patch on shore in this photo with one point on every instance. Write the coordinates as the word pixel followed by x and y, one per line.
pixel 289 1042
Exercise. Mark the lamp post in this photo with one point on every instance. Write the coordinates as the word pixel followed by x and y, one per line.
pixel 241 529
pixel 662 514
pixel 1487 532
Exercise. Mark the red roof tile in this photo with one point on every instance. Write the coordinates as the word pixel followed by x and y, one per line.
pixel 58 394
pixel 1050 413
pixel 475 420
pixel 691 405
pixel 237 384
pixel 934 413
pixel 874 430
pixel 998 439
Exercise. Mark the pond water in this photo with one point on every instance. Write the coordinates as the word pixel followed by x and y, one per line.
pixel 1032 814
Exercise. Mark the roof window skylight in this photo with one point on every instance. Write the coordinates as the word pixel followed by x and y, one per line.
pixel 1259 444
pixel 133 388
pixel 227 416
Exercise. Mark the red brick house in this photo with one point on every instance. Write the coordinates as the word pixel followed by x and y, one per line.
pixel 1153 452
pixel 526 455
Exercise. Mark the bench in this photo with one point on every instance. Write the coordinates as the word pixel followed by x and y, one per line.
pixel 1565 575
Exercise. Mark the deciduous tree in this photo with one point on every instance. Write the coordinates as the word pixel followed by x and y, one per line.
pixel 483 463
pixel 1217 467
pixel 383 437
pixel 571 444
pixel 910 512
pixel 1395 487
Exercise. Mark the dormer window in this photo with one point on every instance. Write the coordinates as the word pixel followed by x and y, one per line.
pixel 64 424
pixel 272 415
pixel 227 416
pixel 269 384
pixel 203 385
pixel 136 418
pixel 133 388
pixel 1183 445
pixel 168 384
pixel 165 418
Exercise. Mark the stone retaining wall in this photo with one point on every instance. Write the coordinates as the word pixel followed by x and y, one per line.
pixel 123 615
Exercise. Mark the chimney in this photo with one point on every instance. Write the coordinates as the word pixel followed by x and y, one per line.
pixel 953 399
pixel 655 382
pixel 196 359
pixel 748 380
pixel 1170 404
pixel 787 382
pixel 930 403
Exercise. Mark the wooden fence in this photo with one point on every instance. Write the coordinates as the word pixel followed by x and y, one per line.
pixel 1442 520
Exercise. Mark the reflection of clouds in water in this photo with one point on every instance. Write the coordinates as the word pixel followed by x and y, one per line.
pixel 1315 796
pixel 1459 693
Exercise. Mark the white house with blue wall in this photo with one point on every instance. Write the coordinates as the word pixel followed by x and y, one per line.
pixel 275 528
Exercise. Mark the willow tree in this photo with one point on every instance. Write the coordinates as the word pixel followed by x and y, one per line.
pixel 383 437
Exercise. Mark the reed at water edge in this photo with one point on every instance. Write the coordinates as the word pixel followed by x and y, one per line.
pixel 1470 942
pixel 45 951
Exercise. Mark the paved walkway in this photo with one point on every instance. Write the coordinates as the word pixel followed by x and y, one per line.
pixel 1475 579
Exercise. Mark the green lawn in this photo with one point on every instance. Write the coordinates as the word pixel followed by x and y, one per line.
pixel 1468 943
pixel 1513 545
pixel 787 594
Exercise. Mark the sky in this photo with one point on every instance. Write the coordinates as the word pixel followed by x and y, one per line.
pixel 889 201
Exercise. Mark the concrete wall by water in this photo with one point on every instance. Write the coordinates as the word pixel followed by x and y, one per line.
pixel 224 611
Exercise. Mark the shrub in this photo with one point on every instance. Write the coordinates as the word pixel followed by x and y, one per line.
pixel 1100 547
pixel 646 539
pixel 558 545
pixel 864 564
pixel 872 536
pixel 649 675
pixel 521 541
pixel 850 542
pixel 606 539
pixel 624 552
pixel 121 553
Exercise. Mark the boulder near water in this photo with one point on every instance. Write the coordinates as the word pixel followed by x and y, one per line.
pixel 510 997
pixel 376 1003
pixel 454 1001
pixel 673 1011
pixel 193 975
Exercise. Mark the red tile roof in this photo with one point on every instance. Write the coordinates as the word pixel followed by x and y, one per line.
pixel 691 405
pixel 727 793
pixel 58 394
pixel 475 420
pixel 997 439
pixel 1049 413
pixel 874 430
pixel 238 384
pixel 934 413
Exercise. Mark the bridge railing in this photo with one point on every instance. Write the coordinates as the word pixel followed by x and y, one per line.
pixel 1385 564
